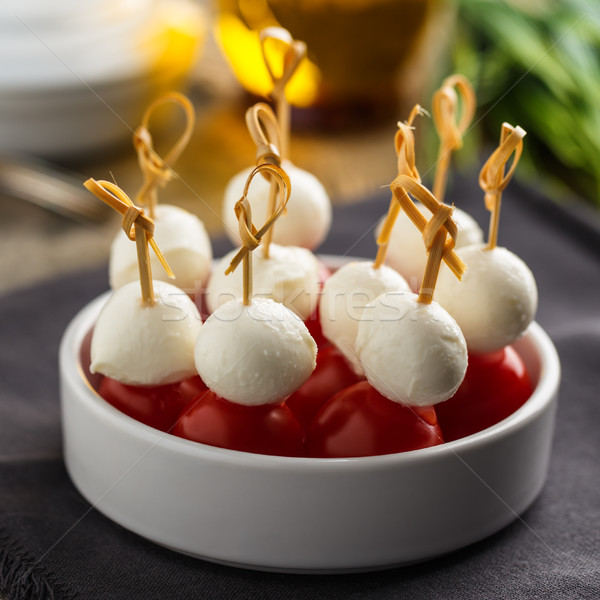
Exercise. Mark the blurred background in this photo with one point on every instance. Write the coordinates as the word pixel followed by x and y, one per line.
pixel 76 77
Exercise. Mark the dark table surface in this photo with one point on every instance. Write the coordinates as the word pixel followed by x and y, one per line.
pixel 52 545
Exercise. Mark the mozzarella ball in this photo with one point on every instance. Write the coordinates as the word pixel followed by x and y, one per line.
pixel 343 300
pixel 139 344
pixel 411 353
pixel 290 275
pixel 495 301
pixel 182 239
pixel 406 251
pixel 254 354
pixel 307 218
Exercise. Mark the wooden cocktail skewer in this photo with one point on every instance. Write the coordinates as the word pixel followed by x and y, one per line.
pixel 310 209
pixel 137 226
pixel 435 231
pixel 266 134
pixel 497 300
pixel 251 237
pixel 450 129
pixel 404 142
pixel 492 178
pixel 271 349
pixel 292 58
pixel 156 170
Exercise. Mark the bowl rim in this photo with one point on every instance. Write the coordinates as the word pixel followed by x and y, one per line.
pixel 545 390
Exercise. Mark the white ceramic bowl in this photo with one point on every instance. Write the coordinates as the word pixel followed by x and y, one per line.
pixel 301 514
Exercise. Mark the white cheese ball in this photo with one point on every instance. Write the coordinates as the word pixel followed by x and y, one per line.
pixel 290 275
pixel 412 353
pixel 182 239
pixel 406 251
pixel 495 301
pixel 138 344
pixel 343 300
pixel 308 214
pixel 255 354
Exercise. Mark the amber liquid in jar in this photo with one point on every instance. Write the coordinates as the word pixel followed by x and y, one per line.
pixel 356 49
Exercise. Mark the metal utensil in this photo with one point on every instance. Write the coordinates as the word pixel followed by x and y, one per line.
pixel 49 187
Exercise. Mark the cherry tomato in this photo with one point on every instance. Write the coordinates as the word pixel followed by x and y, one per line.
pixel 191 387
pixel 269 429
pixel 495 386
pixel 359 421
pixel 313 324
pixel 331 375
pixel 155 405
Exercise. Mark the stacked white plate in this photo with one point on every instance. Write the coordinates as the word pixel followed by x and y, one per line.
pixel 76 76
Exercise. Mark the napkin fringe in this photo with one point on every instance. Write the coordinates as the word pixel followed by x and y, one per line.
pixel 23 578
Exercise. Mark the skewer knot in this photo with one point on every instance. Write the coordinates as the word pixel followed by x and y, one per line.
pixel 250 235
pixel 404 142
pixel 133 216
pixel 450 128
pixel 440 219
pixel 265 133
pixel 156 171
pixel 246 227
pixel 403 187
pixel 492 178
pixel 294 53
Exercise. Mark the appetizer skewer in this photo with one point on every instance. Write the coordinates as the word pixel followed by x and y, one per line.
pixel 288 274
pixel 181 235
pixel 411 350
pixel 143 340
pixel 493 305
pixel 308 217
pixel 352 287
pixel 405 251
pixel 497 299
pixel 252 353
pixel 420 358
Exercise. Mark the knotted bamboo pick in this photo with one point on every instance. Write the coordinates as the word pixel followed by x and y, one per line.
pixel 249 235
pixel 266 134
pixel 450 129
pixel 404 142
pixel 294 53
pixel 156 170
pixel 137 226
pixel 435 231
pixel 492 179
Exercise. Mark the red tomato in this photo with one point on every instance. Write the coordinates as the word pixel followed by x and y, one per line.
pixel 359 421
pixel 270 429
pixel 155 405
pixel 495 386
pixel 331 375
pixel 313 324
pixel 191 387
